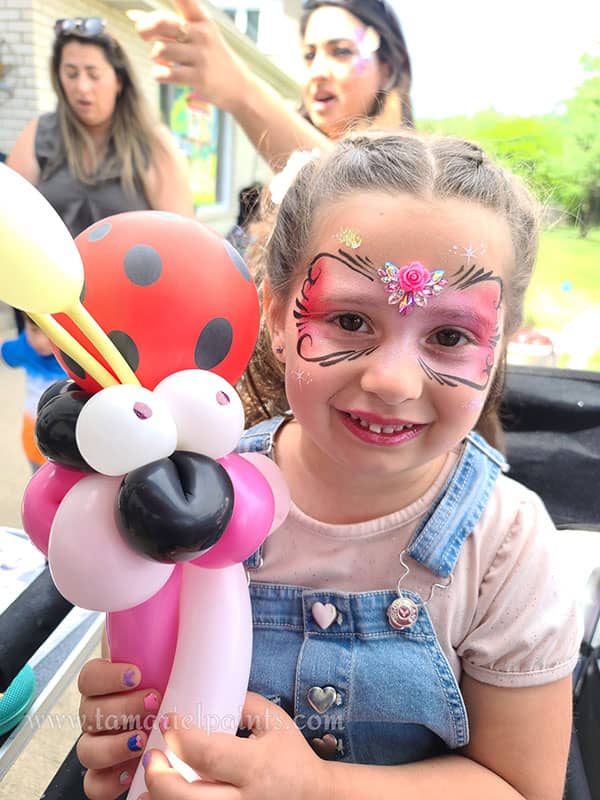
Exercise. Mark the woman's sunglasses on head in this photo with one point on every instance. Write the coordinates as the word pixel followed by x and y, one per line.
pixel 80 26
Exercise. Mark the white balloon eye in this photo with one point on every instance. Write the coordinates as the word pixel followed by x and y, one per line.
pixel 124 427
pixel 207 410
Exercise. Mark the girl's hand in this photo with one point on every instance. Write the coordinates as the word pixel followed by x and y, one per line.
pixel 274 761
pixel 189 50
pixel 110 704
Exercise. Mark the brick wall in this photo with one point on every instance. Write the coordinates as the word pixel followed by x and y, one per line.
pixel 26 35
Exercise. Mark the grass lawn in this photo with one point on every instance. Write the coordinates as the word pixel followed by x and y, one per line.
pixel 566 282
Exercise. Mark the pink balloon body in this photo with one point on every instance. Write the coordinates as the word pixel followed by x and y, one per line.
pixel 211 668
pixel 42 497
pixel 253 509
pixel 278 484
pixel 146 635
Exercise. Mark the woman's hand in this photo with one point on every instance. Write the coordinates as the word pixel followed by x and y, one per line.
pixel 114 718
pixel 274 761
pixel 189 50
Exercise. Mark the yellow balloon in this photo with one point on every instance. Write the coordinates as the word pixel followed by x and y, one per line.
pixel 40 267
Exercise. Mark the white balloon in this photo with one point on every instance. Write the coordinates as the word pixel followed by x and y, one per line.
pixel 207 410
pixel 90 562
pixel 124 427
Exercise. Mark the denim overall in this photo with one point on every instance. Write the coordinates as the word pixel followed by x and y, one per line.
pixel 361 690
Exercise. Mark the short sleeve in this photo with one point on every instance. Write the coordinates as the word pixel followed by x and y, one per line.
pixel 527 627
pixel 14 351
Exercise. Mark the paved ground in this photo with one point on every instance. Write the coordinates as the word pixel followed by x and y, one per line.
pixel 34 769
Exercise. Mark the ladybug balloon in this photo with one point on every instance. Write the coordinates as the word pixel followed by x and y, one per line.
pixel 170 294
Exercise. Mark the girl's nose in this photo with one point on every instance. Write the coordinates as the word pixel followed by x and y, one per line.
pixel 395 379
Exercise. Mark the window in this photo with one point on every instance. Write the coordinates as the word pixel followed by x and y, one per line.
pixel 199 129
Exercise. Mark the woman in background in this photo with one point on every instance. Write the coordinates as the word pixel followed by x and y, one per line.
pixel 100 153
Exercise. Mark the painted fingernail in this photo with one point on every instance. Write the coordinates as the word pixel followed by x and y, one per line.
pixel 163 724
pixel 135 743
pixel 151 702
pixel 130 678
pixel 146 759
pixel 125 778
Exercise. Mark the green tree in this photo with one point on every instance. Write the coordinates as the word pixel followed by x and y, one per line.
pixel 579 170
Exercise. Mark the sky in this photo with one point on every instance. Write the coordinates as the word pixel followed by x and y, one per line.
pixel 517 56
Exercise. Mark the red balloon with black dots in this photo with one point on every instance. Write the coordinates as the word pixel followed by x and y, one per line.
pixel 170 293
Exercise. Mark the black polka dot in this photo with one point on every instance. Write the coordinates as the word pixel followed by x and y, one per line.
pixel 127 347
pixel 238 261
pixel 213 344
pixel 99 232
pixel 143 265
pixel 82 295
pixel 72 366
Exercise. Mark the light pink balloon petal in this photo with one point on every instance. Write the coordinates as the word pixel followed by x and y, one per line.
pixel 91 564
pixel 278 484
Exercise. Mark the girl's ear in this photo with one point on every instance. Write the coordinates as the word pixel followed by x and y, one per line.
pixel 274 319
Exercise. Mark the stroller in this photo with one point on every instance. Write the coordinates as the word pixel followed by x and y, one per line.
pixel 552 423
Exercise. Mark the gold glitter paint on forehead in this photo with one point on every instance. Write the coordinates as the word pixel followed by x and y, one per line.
pixel 349 237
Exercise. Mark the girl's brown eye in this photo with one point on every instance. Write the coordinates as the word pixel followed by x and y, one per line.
pixel 448 337
pixel 350 322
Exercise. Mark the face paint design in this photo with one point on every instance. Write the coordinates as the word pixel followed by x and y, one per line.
pixel 476 319
pixel 350 238
pixel 302 376
pixel 469 253
pixel 307 308
pixel 411 285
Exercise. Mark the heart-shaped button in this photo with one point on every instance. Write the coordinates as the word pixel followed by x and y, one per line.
pixel 324 614
pixel 321 698
pixel 326 747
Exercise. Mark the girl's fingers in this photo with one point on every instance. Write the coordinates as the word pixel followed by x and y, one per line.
pixel 260 715
pixel 108 784
pixel 159 25
pixel 103 752
pixel 215 756
pixel 100 676
pixel 165 783
pixel 119 712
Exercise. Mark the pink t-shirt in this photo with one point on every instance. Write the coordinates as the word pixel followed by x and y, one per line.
pixel 508 618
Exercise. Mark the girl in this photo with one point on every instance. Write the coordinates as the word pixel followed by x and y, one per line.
pixel 411 634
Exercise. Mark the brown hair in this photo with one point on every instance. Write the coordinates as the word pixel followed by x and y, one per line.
pixel 394 163
pixel 391 107
pixel 131 139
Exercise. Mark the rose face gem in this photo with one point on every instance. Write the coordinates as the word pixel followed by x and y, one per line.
pixel 410 285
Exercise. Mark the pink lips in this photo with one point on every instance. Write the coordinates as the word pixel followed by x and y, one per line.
pixel 380 438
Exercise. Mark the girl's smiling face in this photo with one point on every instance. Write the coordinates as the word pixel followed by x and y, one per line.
pixel 374 389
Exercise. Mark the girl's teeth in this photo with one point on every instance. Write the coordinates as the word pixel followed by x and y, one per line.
pixel 375 428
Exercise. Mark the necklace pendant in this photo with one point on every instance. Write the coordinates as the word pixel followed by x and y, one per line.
pixel 402 613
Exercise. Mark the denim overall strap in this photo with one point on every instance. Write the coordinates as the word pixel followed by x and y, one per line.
pixel 259 439
pixel 436 543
